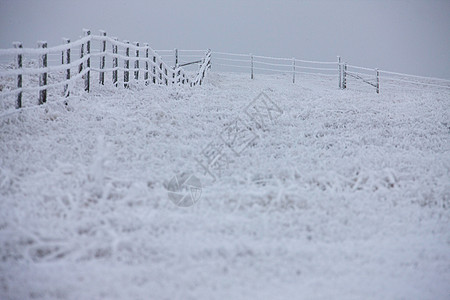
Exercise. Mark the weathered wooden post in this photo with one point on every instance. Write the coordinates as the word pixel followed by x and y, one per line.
pixel 251 63
pixel 87 32
pixel 344 77
pixel 293 70
pixel 67 61
pixel 43 75
pixel 126 73
pixel 340 72
pixel 146 64
pixel 101 78
pixel 115 63
pixel 18 45
pixel 378 80
pixel 136 63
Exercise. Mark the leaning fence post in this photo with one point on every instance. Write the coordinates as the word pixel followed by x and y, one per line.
pixel 115 63
pixel 136 63
pixel 378 80
pixel 209 61
pixel 18 45
pixel 344 77
pixel 87 32
pixel 102 58
pixel 293 70
pixel 126 73
pixel 340 72
pixel 146 64
pixel 67 61
pixel 43 75
pixel 251 64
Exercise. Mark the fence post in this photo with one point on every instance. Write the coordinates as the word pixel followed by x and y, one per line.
pixel 146 64
pixel 115 63
pixel 42 76
pixel 154 69
pixel 340 72
pixel 102 58
pixel 344 77
pixel 126 73
pixel 208 52
pixel 202 73
pixel 18 45
pixel 87 32
pixel 293 70
pixel 136 63
pixel 62 53
pixel 378 80
pixel 160 72
pixel 80 66
pixel 210 59
pixel 176 58
pixel 165 77
pixel 173 76
pixel 67 61
pixel 251 63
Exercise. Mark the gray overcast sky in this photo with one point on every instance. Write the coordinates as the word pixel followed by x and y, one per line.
pixel 406 36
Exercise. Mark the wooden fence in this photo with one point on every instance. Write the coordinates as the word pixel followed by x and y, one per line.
pixel 104 55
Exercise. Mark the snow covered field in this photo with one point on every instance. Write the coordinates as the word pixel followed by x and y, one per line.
pixel 345 196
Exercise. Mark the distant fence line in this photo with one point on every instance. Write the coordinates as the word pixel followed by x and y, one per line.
pixel 139 64
pixel 339 69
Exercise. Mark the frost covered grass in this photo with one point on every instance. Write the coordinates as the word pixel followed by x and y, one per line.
pixel 345 196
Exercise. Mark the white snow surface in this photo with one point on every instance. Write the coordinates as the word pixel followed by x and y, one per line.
pixel 345 196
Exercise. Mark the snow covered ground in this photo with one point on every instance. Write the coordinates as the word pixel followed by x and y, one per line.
pixel 345 196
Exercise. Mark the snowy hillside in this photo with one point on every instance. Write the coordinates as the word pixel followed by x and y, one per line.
pixel 346 195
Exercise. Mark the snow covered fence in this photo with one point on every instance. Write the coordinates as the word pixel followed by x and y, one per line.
pixel 266 64
pixel 57 67
pixel 346 73
pixel 389 80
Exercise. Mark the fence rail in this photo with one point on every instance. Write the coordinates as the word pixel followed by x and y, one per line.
pixel 38 70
